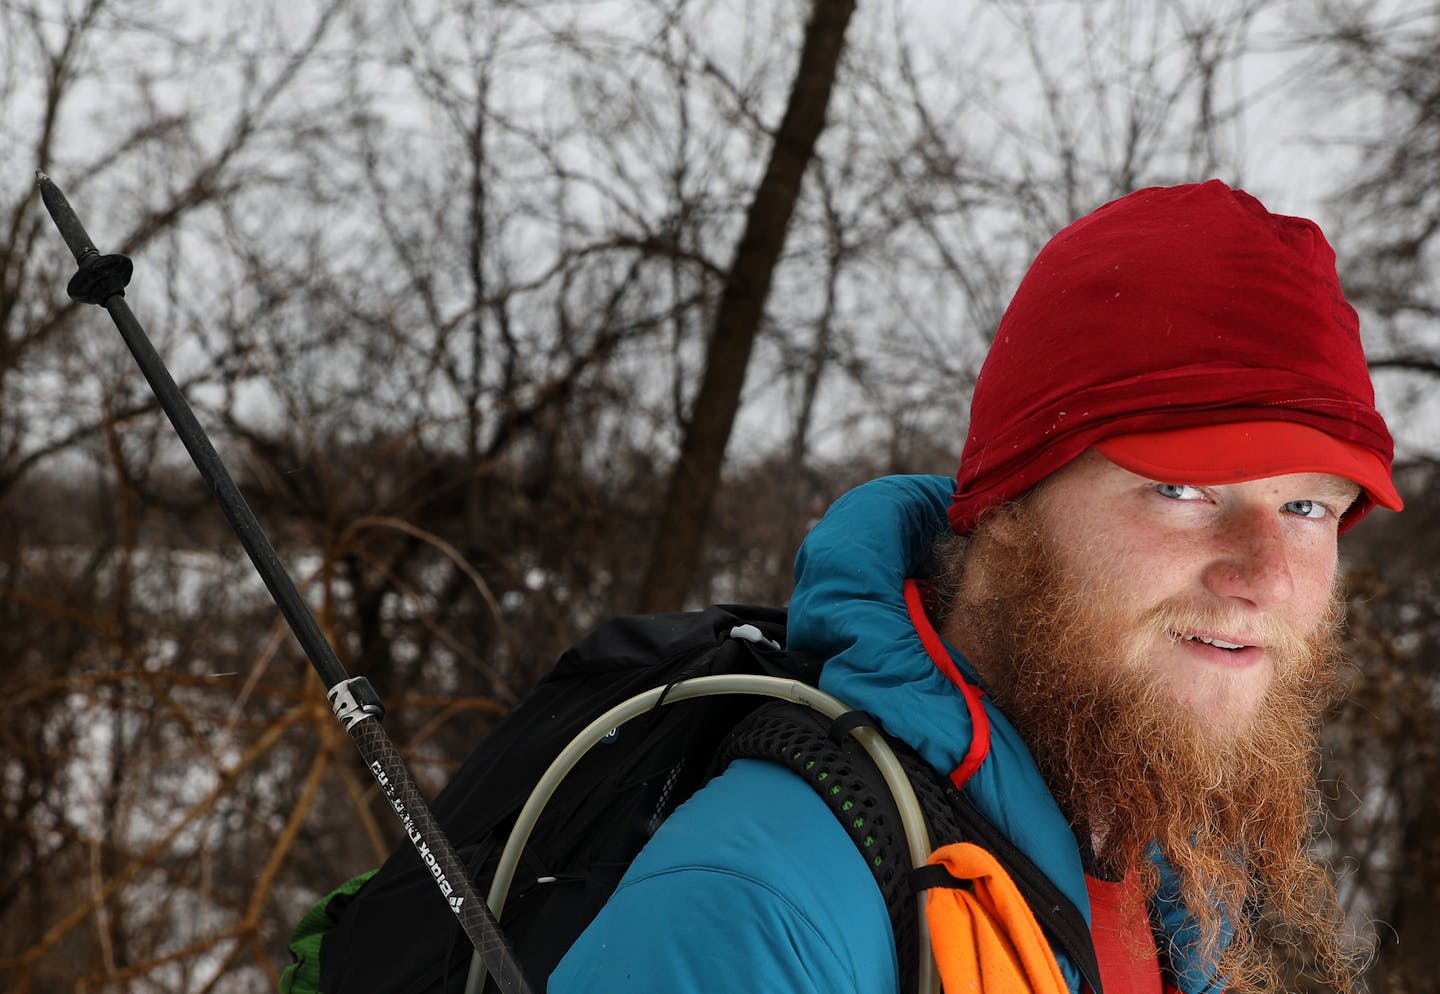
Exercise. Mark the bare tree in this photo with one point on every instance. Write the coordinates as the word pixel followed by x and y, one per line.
pixel 675 553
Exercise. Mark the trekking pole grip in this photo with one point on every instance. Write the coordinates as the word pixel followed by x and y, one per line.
pixel 437 854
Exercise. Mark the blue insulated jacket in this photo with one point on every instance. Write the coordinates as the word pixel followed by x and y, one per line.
pixel 752 884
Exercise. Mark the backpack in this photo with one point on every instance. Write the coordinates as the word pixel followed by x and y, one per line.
pixel 618 793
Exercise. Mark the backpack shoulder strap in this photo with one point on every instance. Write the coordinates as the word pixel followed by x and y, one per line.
pixel 845 777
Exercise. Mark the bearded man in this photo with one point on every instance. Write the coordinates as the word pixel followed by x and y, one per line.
pixel 1119 647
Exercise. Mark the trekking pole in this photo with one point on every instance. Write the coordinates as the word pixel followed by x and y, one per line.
pixel 101 280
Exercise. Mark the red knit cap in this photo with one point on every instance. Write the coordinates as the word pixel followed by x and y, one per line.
pixel 1175 308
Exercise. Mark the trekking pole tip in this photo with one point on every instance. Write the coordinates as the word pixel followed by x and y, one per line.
pixel 99 277
pixel 48 190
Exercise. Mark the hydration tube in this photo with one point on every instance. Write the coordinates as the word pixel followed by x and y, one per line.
pixel 917 837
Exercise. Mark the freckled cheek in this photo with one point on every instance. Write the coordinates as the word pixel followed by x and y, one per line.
pixel 1154 565
pixel 1315 585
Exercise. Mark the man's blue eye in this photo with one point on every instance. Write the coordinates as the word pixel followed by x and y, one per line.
pixel 1177 491
pixel 1307 508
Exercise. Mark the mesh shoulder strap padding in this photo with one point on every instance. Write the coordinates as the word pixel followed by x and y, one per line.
pixel 840 770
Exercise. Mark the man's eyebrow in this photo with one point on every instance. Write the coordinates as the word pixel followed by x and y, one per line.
pixel 1339 488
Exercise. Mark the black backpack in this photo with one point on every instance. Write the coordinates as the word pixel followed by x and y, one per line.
pixel 394 935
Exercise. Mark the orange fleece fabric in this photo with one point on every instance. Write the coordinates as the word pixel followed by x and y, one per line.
pixel 984 936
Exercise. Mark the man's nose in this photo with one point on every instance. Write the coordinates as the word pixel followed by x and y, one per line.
pixel 1252 561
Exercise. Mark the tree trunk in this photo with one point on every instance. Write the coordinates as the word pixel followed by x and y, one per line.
pixel 675 553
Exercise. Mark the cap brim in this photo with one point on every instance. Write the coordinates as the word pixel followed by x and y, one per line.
pixel 1250 450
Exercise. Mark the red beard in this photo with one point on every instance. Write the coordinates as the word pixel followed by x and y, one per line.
pixel 1231 809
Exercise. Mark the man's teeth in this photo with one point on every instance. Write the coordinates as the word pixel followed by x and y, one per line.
pixel 1217 643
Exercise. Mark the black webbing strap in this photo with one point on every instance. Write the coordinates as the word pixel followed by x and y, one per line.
pixel 846 723
pixel 933 875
